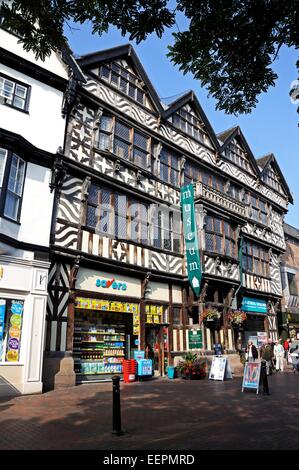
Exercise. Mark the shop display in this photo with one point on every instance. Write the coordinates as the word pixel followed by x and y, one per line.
pixel 11 319
pixel 98 349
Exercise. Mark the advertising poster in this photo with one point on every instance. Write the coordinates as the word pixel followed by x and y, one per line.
pixel 251 378
pixel 2 324
pixel 14 332
pixel 195 339
pixel 218 367
pixel 261 338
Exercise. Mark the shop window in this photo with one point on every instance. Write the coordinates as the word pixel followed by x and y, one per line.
pixel 11 321
pixel 293 288
pixel 12 175
pixel 255 259
pixel 220 237
pixel 14 93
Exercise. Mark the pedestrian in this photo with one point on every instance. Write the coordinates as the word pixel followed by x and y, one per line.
pixel 294 354
pixel 266 356
pixel 286 347
pixel 278 352
pixel 251 352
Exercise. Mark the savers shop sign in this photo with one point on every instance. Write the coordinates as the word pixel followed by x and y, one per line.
pixel 111 283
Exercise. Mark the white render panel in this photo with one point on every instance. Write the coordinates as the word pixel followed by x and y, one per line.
pixel 159 291
pixel 37 206
pixel 63 336
pixel 53 63
pixel 176 294
pixel 175 340
pixel 43 126
pixel 36 339
pixel 181 340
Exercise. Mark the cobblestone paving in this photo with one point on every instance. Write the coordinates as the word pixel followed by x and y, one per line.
pixel 158 414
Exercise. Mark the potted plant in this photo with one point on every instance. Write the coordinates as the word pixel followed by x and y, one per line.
pixel 237 318
pixel 210 317
pixel 191 368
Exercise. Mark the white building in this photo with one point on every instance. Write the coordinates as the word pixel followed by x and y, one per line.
pixel 35 101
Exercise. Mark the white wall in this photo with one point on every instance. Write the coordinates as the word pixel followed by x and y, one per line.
pixel 36 207
pixel 53 63
pixel 36 211
pixel 44 125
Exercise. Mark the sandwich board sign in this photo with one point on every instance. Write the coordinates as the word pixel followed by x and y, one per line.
pixel 220 369
pixel 251 378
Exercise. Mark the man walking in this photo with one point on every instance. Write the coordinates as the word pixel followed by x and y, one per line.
pixel 278 354
pixel 266 355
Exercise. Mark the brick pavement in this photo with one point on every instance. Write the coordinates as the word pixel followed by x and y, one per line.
pixel 159 414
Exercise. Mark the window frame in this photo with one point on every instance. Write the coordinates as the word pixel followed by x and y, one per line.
pixel 150 220
pixel 134 82
pixel 4 187
pixel 235 154
pixel 231 237
pixel 248 253
pixel 26 99
pixel 169 165
pixel 257 206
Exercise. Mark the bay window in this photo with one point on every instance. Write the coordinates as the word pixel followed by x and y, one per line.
pixel 120 216
pixel 12 175
pixel 220 237
pixel 255 259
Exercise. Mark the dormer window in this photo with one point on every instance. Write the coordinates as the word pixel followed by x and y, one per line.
pixel 14 93
pixel 270 178
pixel 237 155
pixel 124 80
pixel 188 123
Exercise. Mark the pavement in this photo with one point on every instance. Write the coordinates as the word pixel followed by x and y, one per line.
pixel 159 414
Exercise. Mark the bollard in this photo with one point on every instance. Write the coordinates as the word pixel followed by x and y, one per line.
pixel 116 406
pixel 264 378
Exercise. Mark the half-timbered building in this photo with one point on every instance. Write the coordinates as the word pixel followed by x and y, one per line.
pixel 118 278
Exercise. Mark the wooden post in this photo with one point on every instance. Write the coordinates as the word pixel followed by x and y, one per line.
pixel 70 325
pixel 170 327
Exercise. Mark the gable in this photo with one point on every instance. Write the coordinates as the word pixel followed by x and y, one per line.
pixel 271 177
pixel 188 120
pixel 236 150
pixel 121 69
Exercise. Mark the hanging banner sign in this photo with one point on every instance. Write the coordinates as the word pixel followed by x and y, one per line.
pixel 254 305
pixel 190 236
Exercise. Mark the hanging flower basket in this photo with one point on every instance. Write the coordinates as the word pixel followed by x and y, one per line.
pixel 237 319
pixel 210 317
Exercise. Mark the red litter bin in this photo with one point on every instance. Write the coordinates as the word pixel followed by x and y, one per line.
pixel 129 370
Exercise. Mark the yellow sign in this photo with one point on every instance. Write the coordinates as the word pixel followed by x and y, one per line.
pixel 106 305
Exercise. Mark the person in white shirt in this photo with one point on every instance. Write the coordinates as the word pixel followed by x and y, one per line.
pixel 278 354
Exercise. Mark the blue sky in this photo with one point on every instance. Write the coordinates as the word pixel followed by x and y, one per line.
pixel 271 127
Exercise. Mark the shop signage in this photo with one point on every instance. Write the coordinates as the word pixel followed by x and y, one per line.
pixel 254 305
pixel 190 236
pixel 262 338
pixel 106 305
pixel 220 369
pixel 195 339
pixel 106 283
pixel 154 314
pixel 251 378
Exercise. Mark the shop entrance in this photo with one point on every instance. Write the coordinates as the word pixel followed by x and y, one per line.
pixel 254 324
pixel 156 347
pixel 102 339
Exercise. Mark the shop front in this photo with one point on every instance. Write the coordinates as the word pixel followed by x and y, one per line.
pixel 106 324
pixel 256 329
pixel 23 297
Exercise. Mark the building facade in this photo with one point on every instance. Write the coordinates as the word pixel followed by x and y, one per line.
pixel 32 93
pixel 289 319
pixel 118 278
